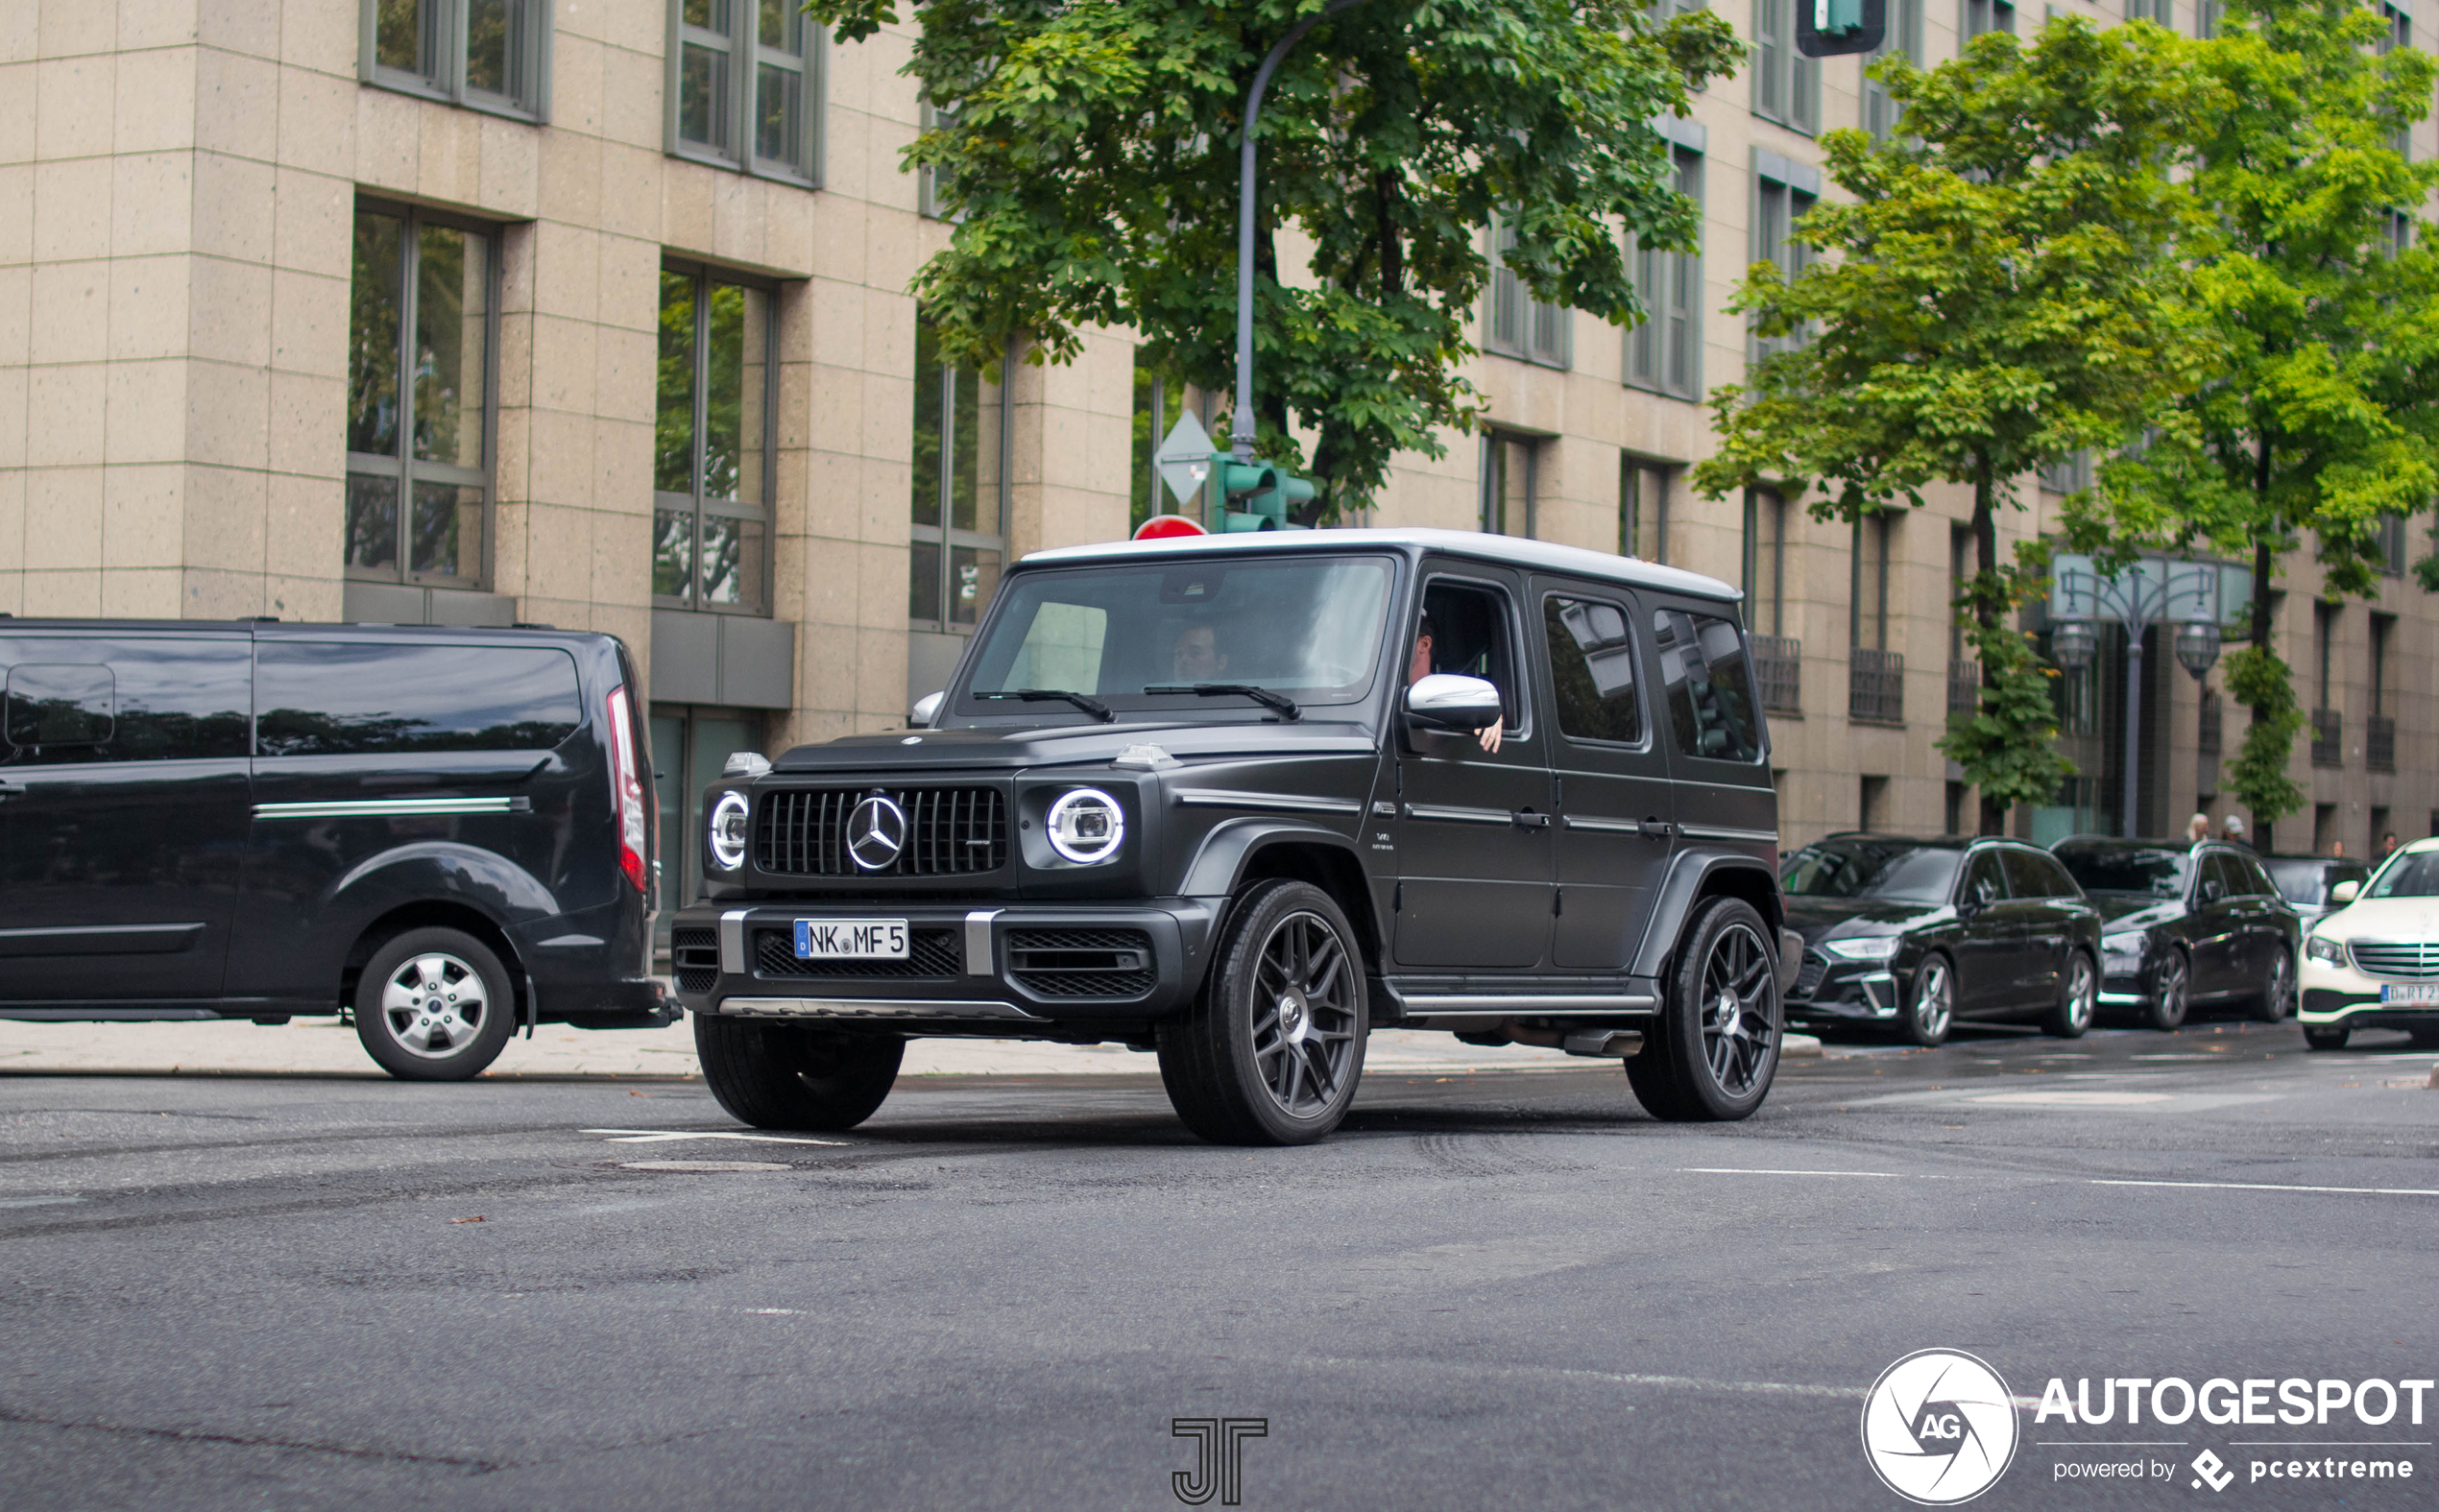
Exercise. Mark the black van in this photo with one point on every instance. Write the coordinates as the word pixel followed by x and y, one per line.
pixel 448 831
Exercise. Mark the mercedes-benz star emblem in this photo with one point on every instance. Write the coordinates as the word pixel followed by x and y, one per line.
pixel 875 832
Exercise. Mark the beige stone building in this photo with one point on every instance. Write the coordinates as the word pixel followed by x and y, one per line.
pixel 594 313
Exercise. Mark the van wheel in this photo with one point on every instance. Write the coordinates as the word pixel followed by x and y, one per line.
pixel 434 1005
pixel 1715 1046
pixel 795 1075
pixel 2076 997
pixel 1272 1051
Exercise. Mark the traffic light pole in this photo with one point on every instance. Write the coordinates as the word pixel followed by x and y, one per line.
pixel 1240 424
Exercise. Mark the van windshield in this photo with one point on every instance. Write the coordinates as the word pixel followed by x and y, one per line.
pixel 1309 628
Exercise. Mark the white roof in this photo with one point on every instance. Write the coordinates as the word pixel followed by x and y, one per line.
pixel 1513 550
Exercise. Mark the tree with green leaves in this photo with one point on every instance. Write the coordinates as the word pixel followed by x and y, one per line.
pixel 1088 150
pixel 1998 291
pixel 2322 414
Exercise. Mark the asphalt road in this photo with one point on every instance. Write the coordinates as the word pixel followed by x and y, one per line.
pixel 1497 1291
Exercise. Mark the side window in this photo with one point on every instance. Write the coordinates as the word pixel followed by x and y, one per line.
pixel 1592 666
pixel 2026 876
pixel 342 698
pixel 135 700
pixel 2062 884
pixel 1464 630
pixel 1710 695
pixel 1984 882
pixel 2221 877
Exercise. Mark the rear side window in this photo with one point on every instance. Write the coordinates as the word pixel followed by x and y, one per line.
pixel 125 700
pixel 1983 881
pixel 1711 698
pixel 338 698
pixel 2031 874
pixel 1592 663
pixel 2218 868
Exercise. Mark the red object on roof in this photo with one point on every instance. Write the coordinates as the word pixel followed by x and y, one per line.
pixel 1160 527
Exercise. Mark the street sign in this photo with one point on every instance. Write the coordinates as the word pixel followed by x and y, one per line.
pixel 1185 458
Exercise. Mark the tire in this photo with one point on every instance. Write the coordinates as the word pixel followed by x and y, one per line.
pixel 2077 993
pixel 2171 992
pixel 2278 999
pixel 1714 1049
pixel 434 1005
pixel 1930 1008
pixel 795 1075
pixel 1272 1051
pixel 2326 1036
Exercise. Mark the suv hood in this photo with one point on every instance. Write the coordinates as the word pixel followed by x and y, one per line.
pixel 1014 749
pixel 2414 918
pixel 1819 918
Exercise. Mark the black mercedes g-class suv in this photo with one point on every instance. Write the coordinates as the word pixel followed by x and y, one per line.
pixel 1242 798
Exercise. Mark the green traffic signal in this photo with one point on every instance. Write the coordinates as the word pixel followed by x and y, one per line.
pixel 1260 494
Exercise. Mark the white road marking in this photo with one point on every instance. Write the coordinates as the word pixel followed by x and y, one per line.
pixel 36 1202
pixel 666 1136
pixel 2267 1185
pixel 1744 1170
pixel 2069 1098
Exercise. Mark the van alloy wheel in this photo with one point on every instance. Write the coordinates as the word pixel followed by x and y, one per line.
pixel 434 1005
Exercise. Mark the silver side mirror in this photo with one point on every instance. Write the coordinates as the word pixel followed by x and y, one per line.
pixel 926 709
pixel 1448 701
pixel 747 764
pixel 2345 893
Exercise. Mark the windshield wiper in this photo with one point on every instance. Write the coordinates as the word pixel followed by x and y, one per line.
pixel 1280 702
pixel 1041 695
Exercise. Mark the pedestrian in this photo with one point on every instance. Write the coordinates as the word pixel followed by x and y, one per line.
pixel 2231 829
pixel 2388 844
pixel 2197 829
pixel 2337 848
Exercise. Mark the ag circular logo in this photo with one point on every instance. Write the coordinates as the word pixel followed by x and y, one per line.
pixel 1938 1427
pixel 875 832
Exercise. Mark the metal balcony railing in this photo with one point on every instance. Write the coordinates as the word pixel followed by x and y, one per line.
pixel 2379 743
pixel 1964 687
pixel 1875 686
pixel 1778 665
pixel 2328 738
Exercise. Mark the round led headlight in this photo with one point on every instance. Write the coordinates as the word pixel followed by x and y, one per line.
pixel 728 831
pixel 1086 825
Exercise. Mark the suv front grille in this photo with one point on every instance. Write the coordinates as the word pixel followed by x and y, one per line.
pixel 694 956
pixel 951 832
pixel 2410 959
pixel 1082 963
pixel 931 954
pixel 1808 974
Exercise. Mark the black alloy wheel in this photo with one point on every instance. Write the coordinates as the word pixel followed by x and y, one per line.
pixel 2171 992
pixel 1273 1050
pixel 434 1005
pixel 2278 996
pixel 1930 1010
pixel 773 1074
pixel 1714 1046
pixel 2078 991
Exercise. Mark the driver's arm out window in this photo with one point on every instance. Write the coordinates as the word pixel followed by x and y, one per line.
pixel 1469 637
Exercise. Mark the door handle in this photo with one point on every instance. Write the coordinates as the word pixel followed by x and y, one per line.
pixel 1531 820
pixel 1658 828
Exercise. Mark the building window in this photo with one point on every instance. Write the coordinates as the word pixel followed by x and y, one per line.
pixel 1510 483
pixel 1904 36
pixel 931 184
pixel 1786 84
pixel 1519 325
pixel 2400 33
pixel 1989 15
pixel 2206 17
pixel 492 55
pixel 2392 544
pixel 423 336
pixel 2070 473
pixel 1868 616
pixel 1642 509
pixel 711 442
pixel 1766 560
pixel 744 87
pixel 1778 209
pixel 1664 352
pixel 2153 11
pixel 959 532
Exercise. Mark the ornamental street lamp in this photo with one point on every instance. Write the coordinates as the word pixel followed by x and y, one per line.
pixel 2148 591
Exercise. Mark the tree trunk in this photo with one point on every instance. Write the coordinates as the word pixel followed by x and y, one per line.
pixel 1985 606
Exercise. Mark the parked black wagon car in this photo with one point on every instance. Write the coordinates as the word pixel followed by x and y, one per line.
pixel 2187 925
pixel 1913 935
pixel 1232 799
pixel 446 830
pixel 2307 881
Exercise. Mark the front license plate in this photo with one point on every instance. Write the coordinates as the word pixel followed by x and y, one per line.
pixel 851 939
pixel 2418 992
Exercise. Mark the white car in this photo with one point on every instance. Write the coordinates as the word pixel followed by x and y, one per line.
pixel 2374 963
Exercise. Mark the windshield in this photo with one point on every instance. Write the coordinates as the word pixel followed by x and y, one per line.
pixel 1308 627
pixel 2307 883
pixel 1886 871
pixel 2414 874
pixel 2153 874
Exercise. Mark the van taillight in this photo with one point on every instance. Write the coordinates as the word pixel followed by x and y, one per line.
pixel 626 786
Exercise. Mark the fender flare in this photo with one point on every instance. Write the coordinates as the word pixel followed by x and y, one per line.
pixel 1689 872
pixel 1219 862
pixel 483 880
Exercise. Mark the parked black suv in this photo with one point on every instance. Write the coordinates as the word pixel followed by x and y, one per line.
pixel 448 830
pixel 1242 798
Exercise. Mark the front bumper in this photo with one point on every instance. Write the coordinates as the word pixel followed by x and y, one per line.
pixel 1832 990
pixel 972 967
pixel 2332 994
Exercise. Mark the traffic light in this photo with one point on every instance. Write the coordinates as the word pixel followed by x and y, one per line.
pixel 1829 28
pixel 1256 496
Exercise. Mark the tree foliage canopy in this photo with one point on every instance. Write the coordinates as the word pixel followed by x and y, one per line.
pixel 1089 149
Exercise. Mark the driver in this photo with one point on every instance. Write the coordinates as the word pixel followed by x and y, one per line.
pixel 1420 667
pixel 1198 656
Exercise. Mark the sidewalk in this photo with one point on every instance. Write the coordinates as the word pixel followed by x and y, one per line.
pixel 324 1046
